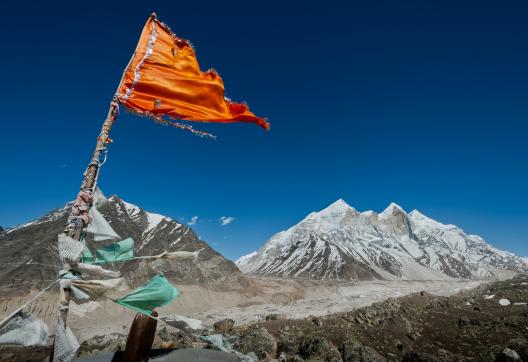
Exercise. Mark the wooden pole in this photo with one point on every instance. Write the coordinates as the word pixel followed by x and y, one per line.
pixel 77 218
pixel 75 222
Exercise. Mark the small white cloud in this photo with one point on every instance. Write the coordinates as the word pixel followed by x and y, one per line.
pixel 62 166
pixel 225 220
pixel 193 221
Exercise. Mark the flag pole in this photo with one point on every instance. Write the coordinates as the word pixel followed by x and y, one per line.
pixel 78 217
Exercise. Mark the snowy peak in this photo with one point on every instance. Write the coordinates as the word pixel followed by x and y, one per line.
pixel 332 215
pixel 392 210
pixel 395 220
pixel 418 217
pixel 339 242
pixel 339 206
pixel 152 233
pixel 149 219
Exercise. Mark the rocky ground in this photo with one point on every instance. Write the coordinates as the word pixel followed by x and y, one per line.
pixel 488 323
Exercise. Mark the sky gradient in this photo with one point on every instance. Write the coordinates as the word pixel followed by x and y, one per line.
pixel 423 103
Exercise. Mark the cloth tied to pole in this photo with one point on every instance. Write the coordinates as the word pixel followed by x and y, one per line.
pixel 70 250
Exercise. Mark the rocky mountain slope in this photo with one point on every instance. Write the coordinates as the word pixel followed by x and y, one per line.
pixel 341 243
pixel 29 258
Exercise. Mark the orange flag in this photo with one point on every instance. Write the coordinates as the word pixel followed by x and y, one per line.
pixel 163 78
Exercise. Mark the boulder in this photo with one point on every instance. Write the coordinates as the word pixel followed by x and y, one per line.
pixel 508 355
pixel 256 339
pixel 170 338
pixel 353 351
pixel 286 345
pixel 519 345
pixel 275 317
pixel 224 326
pixel 317 321
pixel 283 357
pixel 463 322
pixel 112 342
pixel 315 348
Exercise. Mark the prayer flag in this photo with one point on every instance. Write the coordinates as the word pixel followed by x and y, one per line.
pixel 163 78
pixel 156 293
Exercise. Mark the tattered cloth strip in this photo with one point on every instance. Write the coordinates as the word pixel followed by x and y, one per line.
pixel 83 309
pixel 181 255
pixel 98 270
pixel 120 251
pixel 124 250
pixel 66 345
pixel 225 344
pixel 79 216
pixel 100 287
pixel 24 329
pixel 70 250
pixel 156 293
pixel 77 294
pixel 164 79
pixel 100 227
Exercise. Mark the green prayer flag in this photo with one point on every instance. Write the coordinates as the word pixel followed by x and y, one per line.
pixel 122 250
pixel 156 293
pixel 87 256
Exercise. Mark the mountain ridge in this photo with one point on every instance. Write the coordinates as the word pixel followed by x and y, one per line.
pixel 339 242
pixel 29 258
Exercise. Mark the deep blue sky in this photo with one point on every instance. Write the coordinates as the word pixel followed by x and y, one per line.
pixel 423 103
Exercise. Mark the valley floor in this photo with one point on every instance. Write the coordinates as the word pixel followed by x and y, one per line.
pixel 245 300
pixel 251 299
pixel 325 297
pixel 296 320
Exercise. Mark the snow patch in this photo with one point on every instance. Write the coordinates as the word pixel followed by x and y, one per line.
pixel 153 221
pixel 132 210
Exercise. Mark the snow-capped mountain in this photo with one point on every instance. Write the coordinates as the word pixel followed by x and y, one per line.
pixel 28 252
pixel 341 243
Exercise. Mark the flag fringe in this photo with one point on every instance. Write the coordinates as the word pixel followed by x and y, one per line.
pixel 166 122
pixel 179 41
